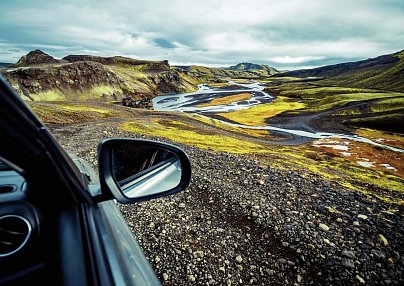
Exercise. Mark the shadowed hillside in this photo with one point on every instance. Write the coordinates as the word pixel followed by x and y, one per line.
pixel 384 72
pixel 38 76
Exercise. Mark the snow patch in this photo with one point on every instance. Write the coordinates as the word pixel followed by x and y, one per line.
pixel 389 167
pixel 365 164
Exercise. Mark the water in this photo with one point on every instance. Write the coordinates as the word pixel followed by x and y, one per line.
pixel 188 102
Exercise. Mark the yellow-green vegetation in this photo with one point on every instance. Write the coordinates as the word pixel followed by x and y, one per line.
pixel 67 113
pixel 137 80
pixel 80 108
pixel 96 92
pixel 392 139
pixel 187 134
pixel 280 79
pixel 218 84
pixel 227 127
pixel 309 92
pixel 320 98
pixel 49 95
pixel 343 99
pixel 350 111
pixel 256 115
pixel 227 99
pixel 101 90
pixel 388 104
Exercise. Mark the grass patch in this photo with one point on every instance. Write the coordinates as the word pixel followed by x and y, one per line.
pixel 224 126
pixel 350 111
pixel 80 108
pixel 185 133
pixel 227 100
pixel 392 139
pixel 218 84
pixel 50 95
pixel 388 104
pixel 255 116
pixel 341 100
pixel 68 113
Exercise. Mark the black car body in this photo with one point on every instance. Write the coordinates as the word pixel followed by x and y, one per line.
pixel 60 224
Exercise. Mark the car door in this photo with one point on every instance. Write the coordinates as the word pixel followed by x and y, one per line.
pixel 60 227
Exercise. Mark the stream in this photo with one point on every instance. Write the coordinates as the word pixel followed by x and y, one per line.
pixel 188 102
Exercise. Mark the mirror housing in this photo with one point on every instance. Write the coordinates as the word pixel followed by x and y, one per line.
pixel 133 170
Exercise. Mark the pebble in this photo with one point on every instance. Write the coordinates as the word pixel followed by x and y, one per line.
pixel 323 227
pixel 347 263
pixel 360 279
pixel 198 254
pixel 165 276
pixel 348 254
pixel 382 239
pixel 363 217
pixel 191 278
pixel 239 259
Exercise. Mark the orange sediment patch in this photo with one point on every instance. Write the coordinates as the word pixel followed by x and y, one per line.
pixel 365 155
pixel 227 99
pixel 218 84
pixel 387 138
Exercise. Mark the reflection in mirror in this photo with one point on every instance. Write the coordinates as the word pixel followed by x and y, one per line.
pixel 144 170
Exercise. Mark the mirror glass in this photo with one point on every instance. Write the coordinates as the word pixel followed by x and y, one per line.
pixel 142 170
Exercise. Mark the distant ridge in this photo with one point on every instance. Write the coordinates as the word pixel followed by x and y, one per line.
pixel 241 70
pixel 383 72
pixel 5 65
pixel 251 67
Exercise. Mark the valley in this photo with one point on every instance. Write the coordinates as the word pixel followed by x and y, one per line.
pixel 297 176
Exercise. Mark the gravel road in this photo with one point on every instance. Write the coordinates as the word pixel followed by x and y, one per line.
pixel 243 223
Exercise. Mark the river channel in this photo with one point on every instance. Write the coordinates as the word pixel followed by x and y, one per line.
pixel 188 102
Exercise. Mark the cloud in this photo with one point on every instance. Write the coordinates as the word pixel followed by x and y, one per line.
pixel 281 33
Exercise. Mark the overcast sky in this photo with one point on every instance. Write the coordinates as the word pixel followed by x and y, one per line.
pixel 285 34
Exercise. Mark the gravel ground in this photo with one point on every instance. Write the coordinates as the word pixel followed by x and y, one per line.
pixel 241 222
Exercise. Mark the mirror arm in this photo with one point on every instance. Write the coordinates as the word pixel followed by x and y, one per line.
pixel 109 186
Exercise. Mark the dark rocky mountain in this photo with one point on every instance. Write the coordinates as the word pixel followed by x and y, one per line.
pixel 36 57
pixel 119 60
pixel 38 76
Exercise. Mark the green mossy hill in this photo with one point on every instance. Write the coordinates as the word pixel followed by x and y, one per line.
pixel 358 107
pixel 254 68
pixel 84 77
pixel 384 72
pixel 242 70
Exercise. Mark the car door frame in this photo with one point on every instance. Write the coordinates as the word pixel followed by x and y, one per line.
pixel 93 243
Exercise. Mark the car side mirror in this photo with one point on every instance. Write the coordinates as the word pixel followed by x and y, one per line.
pixel 136 170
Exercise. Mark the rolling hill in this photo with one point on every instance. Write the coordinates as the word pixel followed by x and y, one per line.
pixel 384 72
pixel 241 70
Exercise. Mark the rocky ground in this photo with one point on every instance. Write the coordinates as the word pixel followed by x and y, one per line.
pixel 241 222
